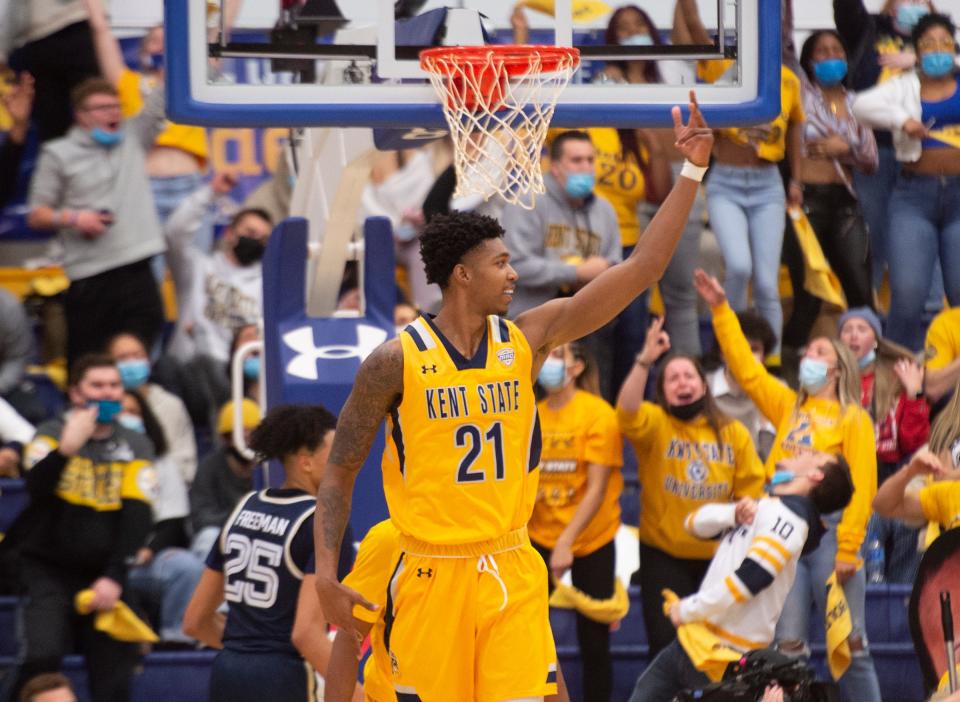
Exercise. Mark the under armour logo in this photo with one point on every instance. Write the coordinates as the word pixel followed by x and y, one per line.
pixel 421 572
pixel 304 364
pixel 431 369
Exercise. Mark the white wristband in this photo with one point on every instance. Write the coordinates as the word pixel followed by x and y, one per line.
pixel 693 171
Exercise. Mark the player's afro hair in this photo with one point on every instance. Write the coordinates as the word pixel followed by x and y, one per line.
pixel 288 428
pixel 447 238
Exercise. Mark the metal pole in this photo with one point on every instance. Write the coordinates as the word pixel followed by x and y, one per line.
pixel 946 619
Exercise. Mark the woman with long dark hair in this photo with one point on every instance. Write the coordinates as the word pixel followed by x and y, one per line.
pixel 834 146
pixel 688 453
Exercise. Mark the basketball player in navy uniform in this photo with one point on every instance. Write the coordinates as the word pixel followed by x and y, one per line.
pixel 274 636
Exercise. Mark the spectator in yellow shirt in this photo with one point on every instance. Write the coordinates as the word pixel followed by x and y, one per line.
pixel 902 497
pixel 825 415
pixel 689 454
pixel 943 354
pixel 577 513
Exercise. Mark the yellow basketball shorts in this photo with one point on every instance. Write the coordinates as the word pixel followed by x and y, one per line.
pixel 471 627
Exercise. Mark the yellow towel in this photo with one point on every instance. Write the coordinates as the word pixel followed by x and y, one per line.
pixel 838 626
pixel 818 278
pixel 947 136
pixel 707 651
pixel 119 623
pixel 603 611
pixel 583 10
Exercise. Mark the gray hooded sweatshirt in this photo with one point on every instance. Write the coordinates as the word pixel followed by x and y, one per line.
pixel 77 173
pixel 548 241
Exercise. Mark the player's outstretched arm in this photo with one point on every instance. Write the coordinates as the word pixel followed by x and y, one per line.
pixel 377 388
pixel 340 681
pixel 566 319
pixel 201 620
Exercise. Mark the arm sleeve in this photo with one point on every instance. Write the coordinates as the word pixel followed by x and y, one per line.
pixel 882 107
pixel 151 120
pixel 711 520
pixel 860 451
pixel 17 342
pixel 187 218
pixel 851 18
pixel 46 184
pixel 10 156
pixel 749 475
pixel 136 521
pixel 939 344
pixel 939 501
pixel 525 238
pixel 204 511
pixel 168 534
pixel 43 475
pixel 774 399
pixel 612 251
pixel 914 424
pixel 604 446
pixel 796 113
pixel 779 536
pixel 639 426
pixel 128 90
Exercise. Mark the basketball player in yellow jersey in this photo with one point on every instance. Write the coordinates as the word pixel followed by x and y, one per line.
pixel 467 617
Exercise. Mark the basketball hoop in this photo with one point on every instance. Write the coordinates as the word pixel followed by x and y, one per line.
pixel 498 101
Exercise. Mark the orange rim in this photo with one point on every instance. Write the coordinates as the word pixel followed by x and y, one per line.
pixel 515 58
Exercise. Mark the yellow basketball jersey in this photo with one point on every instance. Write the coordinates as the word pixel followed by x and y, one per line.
pixel 463 446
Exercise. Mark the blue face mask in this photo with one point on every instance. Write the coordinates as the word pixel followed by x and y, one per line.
pixel 937 64
pixel 868 358
pixel 553 374
pixel 813 374
pixel 830 72
pixel 251 367
pixel 781 477
pixel 106 410
pixel 151 62
pixel 579 185
pixel 105 138
pixel 133 374
pixel 908 15
pixel 638 40
pixel 132 422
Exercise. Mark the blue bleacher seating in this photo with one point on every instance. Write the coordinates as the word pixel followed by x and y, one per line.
pixel 184 676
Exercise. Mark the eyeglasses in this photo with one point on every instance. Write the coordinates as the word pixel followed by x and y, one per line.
pixel 102 108
pixel 934 44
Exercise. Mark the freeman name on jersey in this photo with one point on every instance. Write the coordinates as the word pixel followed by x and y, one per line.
pixel 260 521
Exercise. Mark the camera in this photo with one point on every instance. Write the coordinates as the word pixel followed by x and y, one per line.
pixel 747 679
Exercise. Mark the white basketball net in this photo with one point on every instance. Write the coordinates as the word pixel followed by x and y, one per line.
pixel 498 138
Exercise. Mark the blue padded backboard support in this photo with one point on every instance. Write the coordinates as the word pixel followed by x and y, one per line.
pixel 314 360
pixel 184 108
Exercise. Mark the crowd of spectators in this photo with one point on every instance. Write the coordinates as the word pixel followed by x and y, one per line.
pixel 133 471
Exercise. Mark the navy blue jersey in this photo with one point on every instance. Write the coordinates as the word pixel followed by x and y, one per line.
pixel 264 550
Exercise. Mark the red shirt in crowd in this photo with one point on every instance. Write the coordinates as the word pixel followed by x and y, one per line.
pixel 905 428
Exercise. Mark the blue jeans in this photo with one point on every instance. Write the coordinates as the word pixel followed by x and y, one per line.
pixel 679 295
pixel 167 582
pixel 924 223
pixel 860 682
pixel 873 192
pixel 629 333
pixel 670 673
pixel 168 193
pixel 747 213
